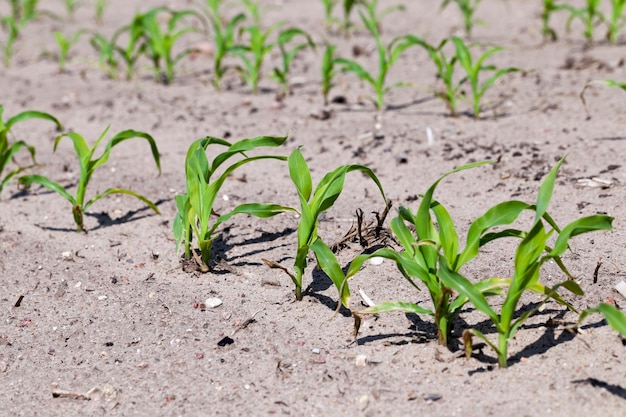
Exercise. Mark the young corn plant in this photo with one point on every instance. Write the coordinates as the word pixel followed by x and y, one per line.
pixel 590 16
pixel 312 204
pixel 549 7
pixel 108 62
pixel 532 252
pixel 431 250
pixel 224 32
pixel 100 7
pixel 328 71
pixel 329 6
pixel 473 71
pixel 467 9
pixel 8 150
pixel 160 41
pixel 65 45
pixel 285 38
pixel 616 20
pixel 70 7
pixel 387 56
pixel 88 165
pixel 12 28
pixel 204 182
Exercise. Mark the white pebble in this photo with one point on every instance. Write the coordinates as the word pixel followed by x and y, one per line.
pixel 225 197
pixel 360 361
pixel 212 302
pixel 67 254
pixel 102 297
pixel 377 260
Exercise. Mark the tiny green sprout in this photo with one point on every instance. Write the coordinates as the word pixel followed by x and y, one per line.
pixel 615 20
pixel 64 45
pixel 590 15
pixel 532 252
pixel 70 7
pixel 160 41
pixel 12 28
pixel 87 166
pixel 329 6
pixel 388 55
pixel 328 71
pixel 8 150
pixel 254 53
pixel 286 37
pixel 224 32
pixel 608 83
pixel 204 182
pixel 100 7
pixel 467 8
pixel 312 204
pixel 106 49
pixel 473 70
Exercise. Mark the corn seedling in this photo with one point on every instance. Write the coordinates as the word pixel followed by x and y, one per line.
pixel 615 20
pixel 88 166
pixel 70 7
pixel 532 252
pixel 160 41
pixel 328 71
pixel 473 71
pixel 549 7
pixel 224 32
pixel 203 180
pixel 100 7
pixel 64 45
pixel 254 53
pixel 608 83
pixel 8 150
pixel 329 6
pixel 431 250
pixel 387 57
pixel 12 29
pixel 281 75
pixel 106 55
pixel 22 11
pixel 590 16
pixel 312 204
pixel 614 317
pixel 467 9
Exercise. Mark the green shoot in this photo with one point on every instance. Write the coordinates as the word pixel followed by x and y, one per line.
pixel 312 204
pixel 70 7
pixel 590 15
pixel 160 41
pixel 467 8
pixel 12 29
pixel 64 45
pixel 532 252
pixel 328 71
pixel 195 207
pixel 329 6
pixel 106 55
pixel 387 57
pixel 281 75
pixel 88 166
pixel 8 150
pixel 100 6
pixel 608 83
pixel 223 36
pixel 474 69
pixel 616 20
pixel 431 249
pixel 254 53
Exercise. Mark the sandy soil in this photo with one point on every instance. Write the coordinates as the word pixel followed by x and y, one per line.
pixel 112 316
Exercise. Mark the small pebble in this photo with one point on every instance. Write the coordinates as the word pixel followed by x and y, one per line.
pixel 377 260
pixel 316 351
pixel 213 302
pixel 102 297
pixel 360 361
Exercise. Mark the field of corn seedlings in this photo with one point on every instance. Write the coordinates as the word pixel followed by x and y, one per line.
pixel 290 207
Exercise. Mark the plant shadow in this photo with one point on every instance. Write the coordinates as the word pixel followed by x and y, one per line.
pixel 616 390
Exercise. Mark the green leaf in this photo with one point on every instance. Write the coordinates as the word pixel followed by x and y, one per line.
pixel 328 263
pixel 545 191
pixel 28 180
pixel 613 316
pixel 389 306
pixel 580 226
pixel 300 174
pixel 121 191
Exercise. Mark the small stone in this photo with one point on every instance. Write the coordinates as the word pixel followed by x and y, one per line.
pixel 102 297
pixel 360 361
pixel 377 260
pixel 199 355
pixel 430 398
pixel 213 302
pixel 67 255
pixel 316 351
